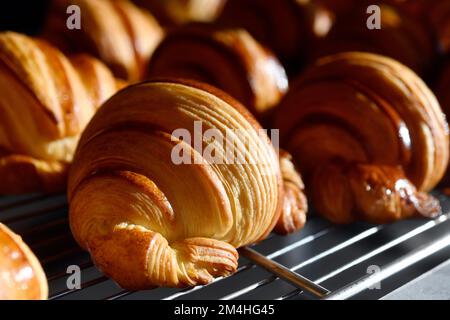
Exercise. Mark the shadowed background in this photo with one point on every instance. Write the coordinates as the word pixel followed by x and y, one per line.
pixel 23 15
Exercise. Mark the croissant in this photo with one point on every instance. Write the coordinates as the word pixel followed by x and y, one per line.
pixel 117 32
pixel 176 12
pixel 287 27
pixel 45 102
pixel 401 37
pixel 228 59
pixel 21 275
pixel 368 136
pixel 149 220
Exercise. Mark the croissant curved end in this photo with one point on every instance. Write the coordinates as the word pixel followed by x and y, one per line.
pixel 295 204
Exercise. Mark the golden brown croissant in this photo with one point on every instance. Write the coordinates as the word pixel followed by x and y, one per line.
pixel 287 27
pixel 368 136
pixel 45 102
pixel 21 275
pixel 177 12
pixel 117 32
pixel 149 220
pixel 401 37
pixel 228 59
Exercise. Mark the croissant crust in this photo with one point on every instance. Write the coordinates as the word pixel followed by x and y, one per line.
pixel 229 59
pixel 117 32
pixel 21 275
pixel 46 101
pixel 149 222
pixel 368 136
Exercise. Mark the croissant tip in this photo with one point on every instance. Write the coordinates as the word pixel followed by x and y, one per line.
pixel 428 206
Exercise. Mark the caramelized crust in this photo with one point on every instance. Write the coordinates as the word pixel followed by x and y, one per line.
pixel 148 221
pixel 46 101
pixel 117 32
pixel 228 59
pixel 295 204
pixel 21 275
pixel 288 27
pixel 369 137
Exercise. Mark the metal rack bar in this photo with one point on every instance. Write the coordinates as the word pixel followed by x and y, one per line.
pixel 42 227
pixel 189 290
pixel 83 266
pixel 325 253
pixel 409 259
pixel 386 247
pixel 273 255
pixel 427 226
pixel 48 235
pixel 284 273
pixel 22 202
pixel 35 213
pixel 83 286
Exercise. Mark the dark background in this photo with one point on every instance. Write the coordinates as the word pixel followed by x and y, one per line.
pixel 23 15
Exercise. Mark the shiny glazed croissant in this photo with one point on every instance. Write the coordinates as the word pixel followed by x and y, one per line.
pixel 228 59
pixel 117 32
pixel 45 102
pixel 401 37
pixel 368 136
pixel 148 221
pixel 21 275
pixel 176 12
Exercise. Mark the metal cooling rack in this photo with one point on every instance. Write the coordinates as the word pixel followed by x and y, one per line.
pixel 323 261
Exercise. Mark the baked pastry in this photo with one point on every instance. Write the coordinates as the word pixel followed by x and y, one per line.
pixel 228 59
pixel 177 12
pixel 368 136
pixel 21 275
pixel 401 37
pixel 149 219
pixel 117 32
pixel 295 204
pixel 45 102
pixel 288 27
